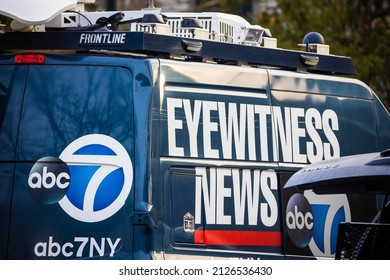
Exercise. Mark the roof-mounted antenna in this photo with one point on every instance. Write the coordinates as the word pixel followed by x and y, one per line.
pixel 151 6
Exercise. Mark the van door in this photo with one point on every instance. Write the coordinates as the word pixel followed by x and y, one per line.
pixel 221 186
pixel 73 186
pixel 12 81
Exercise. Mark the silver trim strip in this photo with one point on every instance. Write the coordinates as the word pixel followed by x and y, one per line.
pixel 295 165
pixel 218 162
pixel 234 93
pixel 199 256
pixel 238 163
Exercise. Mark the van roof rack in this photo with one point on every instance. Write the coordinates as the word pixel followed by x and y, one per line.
pixel 212 37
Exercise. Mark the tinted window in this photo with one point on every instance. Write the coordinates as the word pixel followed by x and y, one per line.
pixel 63 103
pixel 12 80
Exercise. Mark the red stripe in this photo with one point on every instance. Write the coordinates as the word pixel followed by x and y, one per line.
pixel 238 237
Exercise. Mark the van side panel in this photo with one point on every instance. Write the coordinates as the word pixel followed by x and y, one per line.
pixel 12 80
pixel 328 117
pixel 317 118
pixel 221 186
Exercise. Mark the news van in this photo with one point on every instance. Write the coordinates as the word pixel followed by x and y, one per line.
pixel 151 135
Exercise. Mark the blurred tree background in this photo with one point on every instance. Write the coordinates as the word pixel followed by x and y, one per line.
pixel 356 28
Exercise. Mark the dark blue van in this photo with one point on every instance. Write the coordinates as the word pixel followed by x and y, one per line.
pixel 137 145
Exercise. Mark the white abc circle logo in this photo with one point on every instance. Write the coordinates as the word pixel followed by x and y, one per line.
pixel 48 180
pixel 109 160
pixel 299 220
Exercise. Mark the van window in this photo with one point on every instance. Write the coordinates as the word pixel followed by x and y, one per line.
pixel 63 103
pixel 12 80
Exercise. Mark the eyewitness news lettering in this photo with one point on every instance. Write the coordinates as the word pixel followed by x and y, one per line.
pixel 232 131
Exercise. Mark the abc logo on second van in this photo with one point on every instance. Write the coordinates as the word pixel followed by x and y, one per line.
pixel 49 180
pixel 299 220
pixel 312 220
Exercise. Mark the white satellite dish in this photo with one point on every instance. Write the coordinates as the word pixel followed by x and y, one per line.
pixel 34 12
